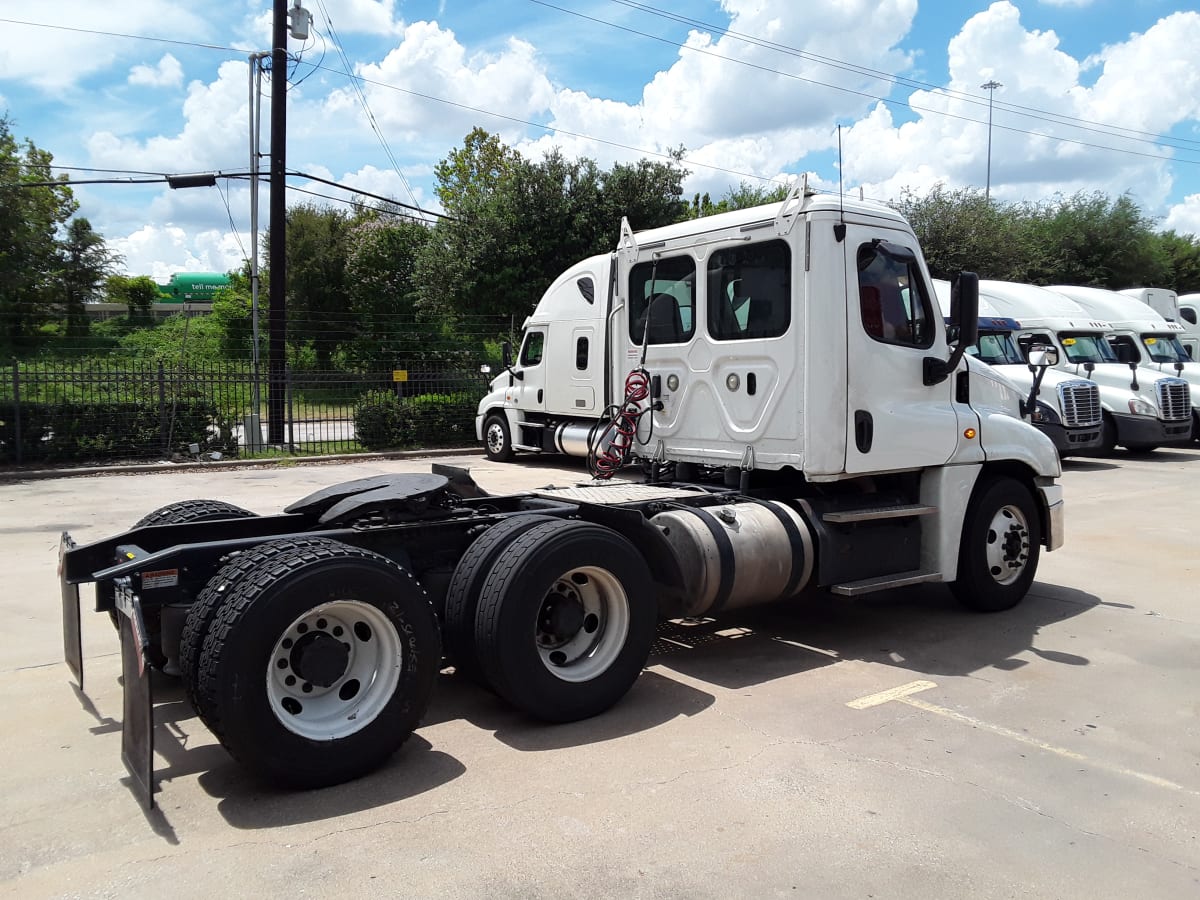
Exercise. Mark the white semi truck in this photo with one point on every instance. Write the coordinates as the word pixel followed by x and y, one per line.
pixel 1143 408
pixel 1139 334
pixel 1063 407
pixel 1174 308
pixel 812 431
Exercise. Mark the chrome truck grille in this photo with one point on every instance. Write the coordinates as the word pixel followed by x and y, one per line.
pixel 1080 403
pixel 1174 399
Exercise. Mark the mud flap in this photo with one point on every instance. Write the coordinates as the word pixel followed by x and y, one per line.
pixel 72 634
pixel 137 726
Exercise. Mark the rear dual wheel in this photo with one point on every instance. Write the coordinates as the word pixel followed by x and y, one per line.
pixel 565 620
pixel 318 663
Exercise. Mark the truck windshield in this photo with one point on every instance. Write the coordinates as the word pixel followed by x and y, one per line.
pixel 1083 348
pixel 1165 348
pixel 996 348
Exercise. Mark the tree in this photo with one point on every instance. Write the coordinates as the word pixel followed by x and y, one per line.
pixel 31 213
pixel 381 289
pixel 1090 239
pixel 139 293
pixel 1182 253
pixel 962 230
pixel 519 223
pixel 316 280
pixel 84 264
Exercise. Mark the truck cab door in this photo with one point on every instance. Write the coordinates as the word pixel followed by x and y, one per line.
pixel 894 420
pixel 528 391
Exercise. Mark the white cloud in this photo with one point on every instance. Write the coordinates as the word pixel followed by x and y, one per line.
pixel 1075 3
pixel 168 73
pixel 53 59
pixel 430 63
pixel 1147 82
pixel 146 250
pixel 360 16
pixel 215 133
pixel 1184 218
pixel 754 108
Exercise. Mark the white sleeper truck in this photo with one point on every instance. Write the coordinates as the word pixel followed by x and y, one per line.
pixel 1183 309
pixel 807 428
pixel 1139 334
pixel 1143 408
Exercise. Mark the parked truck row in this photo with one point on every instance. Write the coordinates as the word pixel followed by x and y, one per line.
pixel 804 423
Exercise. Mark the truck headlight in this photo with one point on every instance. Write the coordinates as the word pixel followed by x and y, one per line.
pixel 1142 408
pixel 1043 414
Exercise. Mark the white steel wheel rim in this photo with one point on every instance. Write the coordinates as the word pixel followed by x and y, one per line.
pixel 323 692
pixel 495 437
pixel 582 624
pixel 1008 547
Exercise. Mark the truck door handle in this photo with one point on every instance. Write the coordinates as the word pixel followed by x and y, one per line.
pixel 864 430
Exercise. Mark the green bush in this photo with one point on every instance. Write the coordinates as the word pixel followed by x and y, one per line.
pixel 74 431
pixel 383 421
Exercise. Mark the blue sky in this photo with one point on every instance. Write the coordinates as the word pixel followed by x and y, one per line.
pixel 1097 95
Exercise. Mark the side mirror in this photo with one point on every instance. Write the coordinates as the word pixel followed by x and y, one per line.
pixel 506 350
pixel 965 305
pixel 964 299
pixel 1042 356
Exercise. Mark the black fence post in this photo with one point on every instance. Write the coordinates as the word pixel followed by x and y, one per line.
pixel 16 370
pixel 291 418
pixel 162 407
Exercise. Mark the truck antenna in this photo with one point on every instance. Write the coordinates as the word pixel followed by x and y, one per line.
pixel 839 230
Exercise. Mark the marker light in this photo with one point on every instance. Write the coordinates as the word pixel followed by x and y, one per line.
pixel 969 434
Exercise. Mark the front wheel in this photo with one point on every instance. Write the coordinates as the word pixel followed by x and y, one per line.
pixel 565 620
pixel 319 663
pixel 497 440
pixel 1000 547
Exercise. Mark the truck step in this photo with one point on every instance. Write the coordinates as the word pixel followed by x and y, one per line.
pixel 883 583
pixel 528 447
pixel 878 512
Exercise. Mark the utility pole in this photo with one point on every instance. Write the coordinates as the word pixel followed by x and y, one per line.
pixel 277 313
pixel 990 87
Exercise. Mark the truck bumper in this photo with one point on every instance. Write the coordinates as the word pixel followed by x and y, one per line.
pixel 1069 441
pixel 1142 431
pixel 1054 519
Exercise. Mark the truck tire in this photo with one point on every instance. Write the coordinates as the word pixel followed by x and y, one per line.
pixel 497 441
pixel 179 513
pixel 565 621
pixel 1108 436
pixel 203 611
pixel 193 511
pixel 1000 547
pixel 462 596
pixel 319 663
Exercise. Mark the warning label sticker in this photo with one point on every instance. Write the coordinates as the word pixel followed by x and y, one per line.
pixel 160 579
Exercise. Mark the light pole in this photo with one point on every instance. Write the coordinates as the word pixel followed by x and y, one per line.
pixel 253 433
pixel 990 87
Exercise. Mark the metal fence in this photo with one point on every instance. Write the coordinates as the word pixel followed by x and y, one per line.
pixel 61 413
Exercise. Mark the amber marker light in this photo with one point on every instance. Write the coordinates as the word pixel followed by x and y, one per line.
pixel 969 434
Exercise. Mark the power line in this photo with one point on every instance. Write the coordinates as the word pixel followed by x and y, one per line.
pixel 906 105
pixel 362 99
pixel 1029 111
pixel 119 34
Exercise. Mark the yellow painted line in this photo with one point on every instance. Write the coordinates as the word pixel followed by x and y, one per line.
pixel 888 696
pixel 903 694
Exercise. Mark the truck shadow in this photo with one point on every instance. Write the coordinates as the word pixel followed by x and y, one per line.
pixel 246 803
pixel 923 629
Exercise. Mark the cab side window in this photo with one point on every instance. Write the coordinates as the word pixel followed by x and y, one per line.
pixel 893 300
pixel 662 301
pixel 749 291
pixel 531 351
